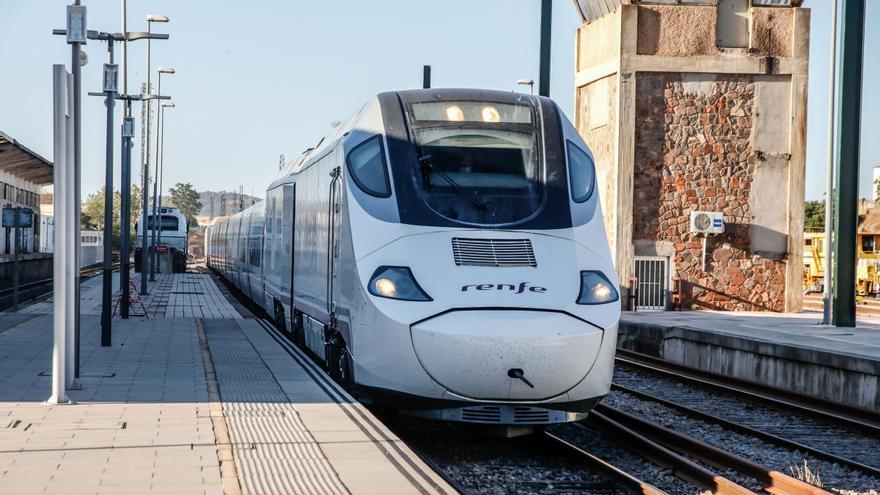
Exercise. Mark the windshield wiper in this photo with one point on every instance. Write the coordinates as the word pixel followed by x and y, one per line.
pixel 426 160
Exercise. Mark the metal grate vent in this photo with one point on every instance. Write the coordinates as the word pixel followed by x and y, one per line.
pixel 530 415
pixel 493 252
pixel 482 414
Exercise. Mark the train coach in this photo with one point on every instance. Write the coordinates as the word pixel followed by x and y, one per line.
pixel 443 253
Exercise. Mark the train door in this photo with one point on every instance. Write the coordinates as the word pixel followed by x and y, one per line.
pixel 333 236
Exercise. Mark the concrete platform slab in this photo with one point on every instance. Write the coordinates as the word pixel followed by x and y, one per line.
pixel 175 403
pixel 787 351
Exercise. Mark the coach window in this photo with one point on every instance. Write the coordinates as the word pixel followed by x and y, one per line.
pixel 581 173
pixel 366 163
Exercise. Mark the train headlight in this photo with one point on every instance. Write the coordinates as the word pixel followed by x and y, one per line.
pixel 596 289
pixel 491 114
pixel 396 282
pixel 454 113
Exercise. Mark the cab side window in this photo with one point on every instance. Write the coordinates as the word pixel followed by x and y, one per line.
pixel 366 164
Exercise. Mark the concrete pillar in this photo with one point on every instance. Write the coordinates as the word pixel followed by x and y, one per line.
pixel 681 107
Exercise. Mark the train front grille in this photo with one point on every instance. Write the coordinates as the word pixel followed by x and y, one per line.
pixel 482 414
pixel 493 252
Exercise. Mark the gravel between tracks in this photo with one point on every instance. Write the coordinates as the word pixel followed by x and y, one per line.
pixel 845 443
pixel 500 466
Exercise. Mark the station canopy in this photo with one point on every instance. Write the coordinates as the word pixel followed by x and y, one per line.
pixel 17 160
pixel 590 10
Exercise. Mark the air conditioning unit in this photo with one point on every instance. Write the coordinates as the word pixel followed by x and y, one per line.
pixel 707 222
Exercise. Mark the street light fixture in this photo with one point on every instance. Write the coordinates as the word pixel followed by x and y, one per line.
pixel 156 224
pixel 527 82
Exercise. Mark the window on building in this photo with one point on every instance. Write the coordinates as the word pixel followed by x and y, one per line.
pixel 868 243
pixel 732 28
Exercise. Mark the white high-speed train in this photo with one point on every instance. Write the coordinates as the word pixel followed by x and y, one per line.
pixel 442 252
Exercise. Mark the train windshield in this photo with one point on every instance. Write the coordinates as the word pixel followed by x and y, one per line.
pixel 478 161
pixel 167 222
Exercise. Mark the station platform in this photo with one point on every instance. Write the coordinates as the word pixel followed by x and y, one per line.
pixel 791 352
pixel 195 397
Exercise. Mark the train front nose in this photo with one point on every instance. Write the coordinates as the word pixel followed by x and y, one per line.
pixel 506 354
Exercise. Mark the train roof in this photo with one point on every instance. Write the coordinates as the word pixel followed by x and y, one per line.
pixel 328 141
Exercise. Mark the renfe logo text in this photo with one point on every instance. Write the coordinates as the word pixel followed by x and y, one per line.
pixel 510 287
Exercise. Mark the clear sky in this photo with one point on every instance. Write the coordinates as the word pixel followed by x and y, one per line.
pixel 261 78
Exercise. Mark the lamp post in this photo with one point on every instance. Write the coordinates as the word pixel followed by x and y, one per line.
pixel 156 223
pixel 128 126
pixel 527 82
pixel 165 104
pixel 77 34
pixel 109 91
pixel 146 163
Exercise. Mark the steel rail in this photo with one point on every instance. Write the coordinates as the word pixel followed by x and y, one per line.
pixel 751 431
pixel 845 416
pixel 660 455
pixel 774 482
pixel 454 483
pixel 84 274
pixel 623 479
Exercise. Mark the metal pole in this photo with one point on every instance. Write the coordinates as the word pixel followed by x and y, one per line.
pixel 107 287
pixel 426 77
pixel 829 178
pixel 125 193
pixel 76 68
pixel 59 323
pixel 848 139
pixel 125 214
pixel 544 72
pixel 70 238
pixel 16 275
pixel 156 216
pixel 145 187
pixel 161 165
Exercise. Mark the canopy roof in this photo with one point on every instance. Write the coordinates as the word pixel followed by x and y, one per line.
pixel 21 162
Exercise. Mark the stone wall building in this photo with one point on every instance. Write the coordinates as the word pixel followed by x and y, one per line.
pixel 699 105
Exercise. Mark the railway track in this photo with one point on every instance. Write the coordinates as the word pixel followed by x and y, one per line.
pixel 615 474
pixel 679 452
pixel 820 430
pixel 836 414
pixel 39 288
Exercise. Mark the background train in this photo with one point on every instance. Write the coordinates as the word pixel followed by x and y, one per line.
pixel 174 237
pixel 442 252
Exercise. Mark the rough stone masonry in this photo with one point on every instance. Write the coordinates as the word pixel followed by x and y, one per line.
pixel 693 152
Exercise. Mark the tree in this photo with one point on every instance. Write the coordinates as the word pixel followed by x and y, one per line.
pixel 93 212
pixel 814 215
pixel 186 199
